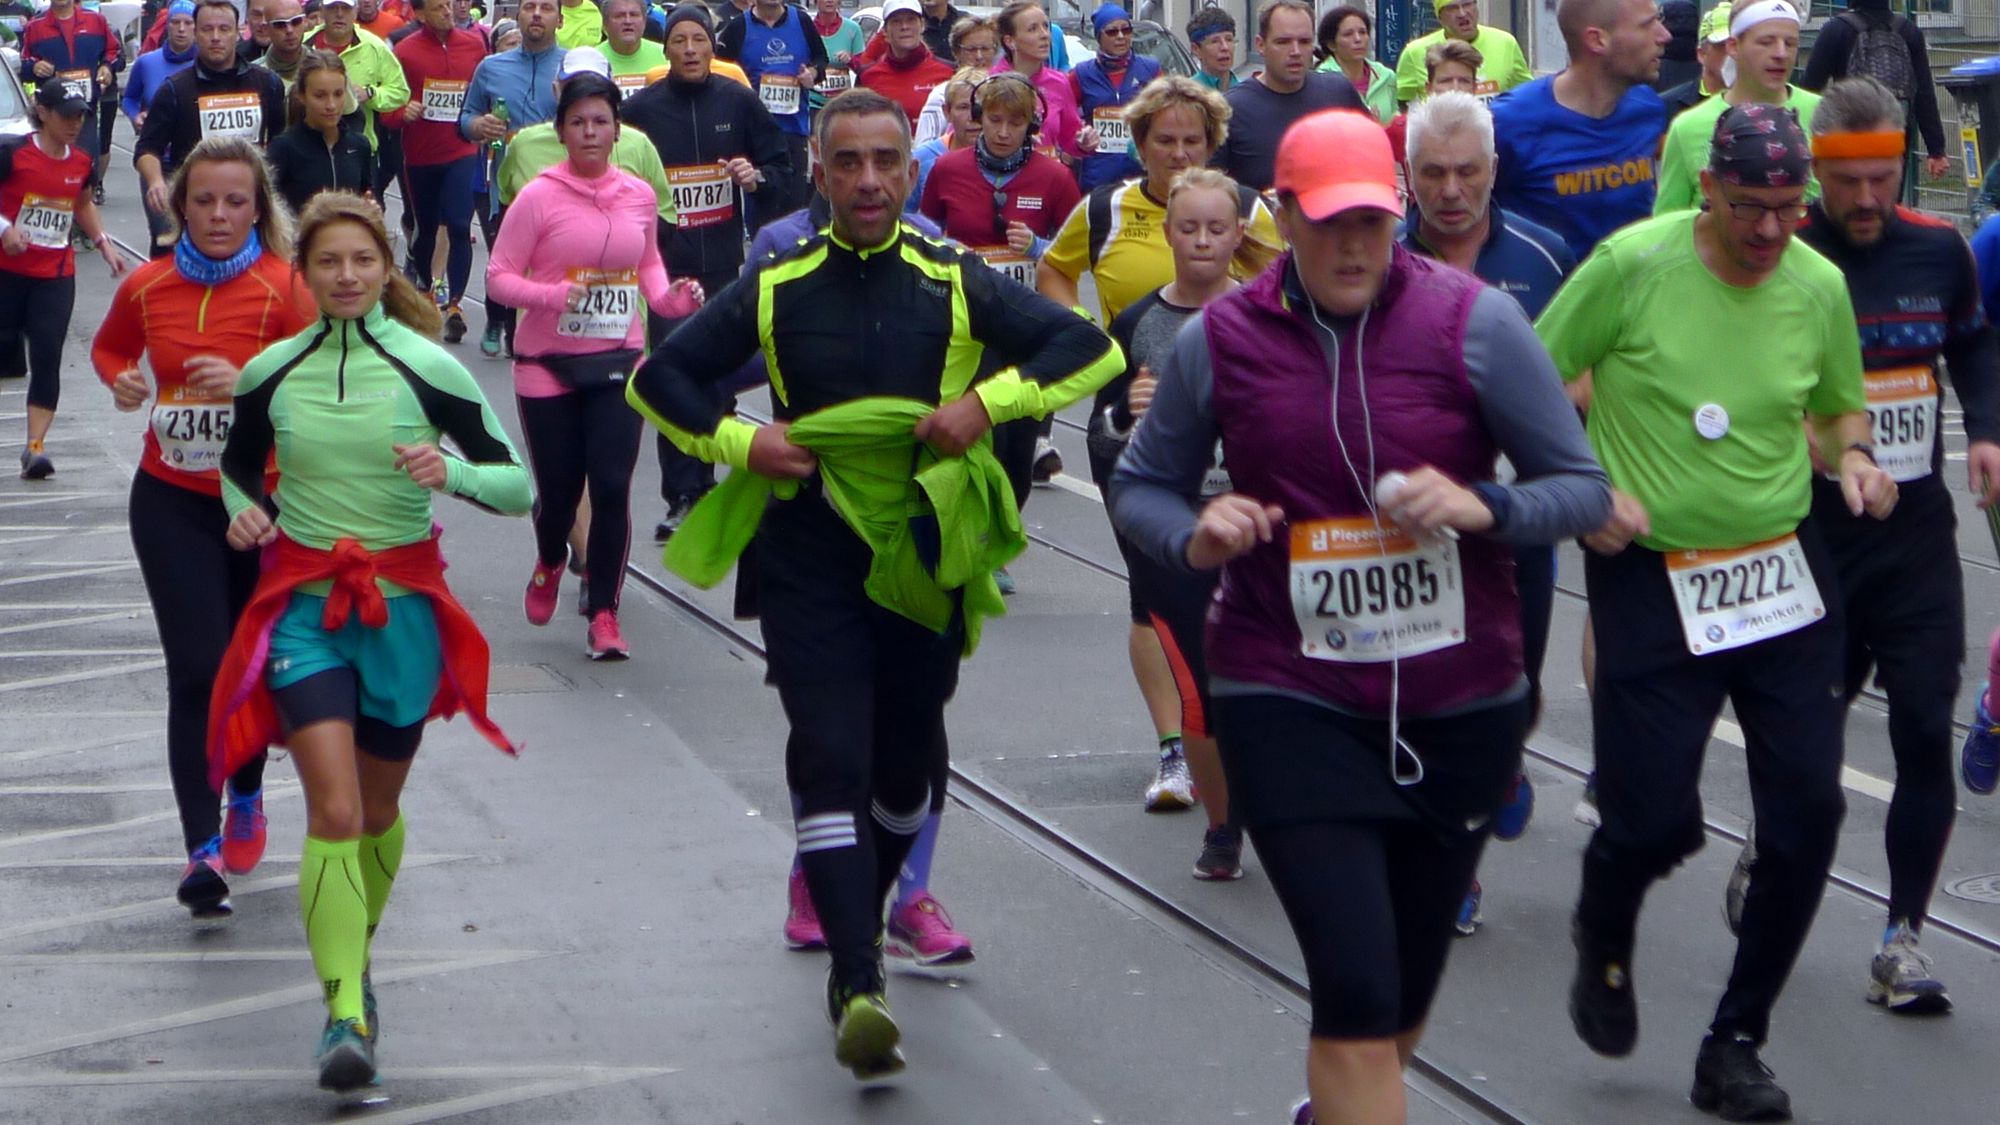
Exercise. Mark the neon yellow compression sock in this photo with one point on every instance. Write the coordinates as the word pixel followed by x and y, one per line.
pixel 381 858
pixel 335 910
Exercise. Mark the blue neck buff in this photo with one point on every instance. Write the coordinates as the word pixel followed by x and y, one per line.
pixel 204 270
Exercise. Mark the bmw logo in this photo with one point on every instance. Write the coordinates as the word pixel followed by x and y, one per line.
pixel 1715 634
pixel 1336 639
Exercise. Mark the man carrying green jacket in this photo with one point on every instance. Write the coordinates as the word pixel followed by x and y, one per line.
pixel 373 73
pixel 894 356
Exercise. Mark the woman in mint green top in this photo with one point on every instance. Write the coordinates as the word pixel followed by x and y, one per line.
pixel 1344 36
pixel 354 408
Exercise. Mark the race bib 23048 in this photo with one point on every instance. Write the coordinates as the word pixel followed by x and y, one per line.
pixel 45 221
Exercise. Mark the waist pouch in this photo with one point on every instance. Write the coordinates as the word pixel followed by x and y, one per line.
pixel 591 371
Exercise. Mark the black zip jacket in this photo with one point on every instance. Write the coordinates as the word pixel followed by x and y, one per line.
pixel 173 124
pixel 303 164
pixel 704 123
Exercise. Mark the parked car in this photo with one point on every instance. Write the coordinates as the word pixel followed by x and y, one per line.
pixel 14 119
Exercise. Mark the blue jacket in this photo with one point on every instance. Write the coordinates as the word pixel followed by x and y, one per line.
pixel 1526 261
pixel 1986 257
pixel 150 72
pixel 527 82
pixel 1093 90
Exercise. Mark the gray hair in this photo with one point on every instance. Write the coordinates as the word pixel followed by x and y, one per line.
pixel 1857 105
pixel 1447 114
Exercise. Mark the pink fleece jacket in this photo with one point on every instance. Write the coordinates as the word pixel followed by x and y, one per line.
pixel 564 221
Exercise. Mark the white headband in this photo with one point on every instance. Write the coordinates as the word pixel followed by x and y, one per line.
pixel 1744 18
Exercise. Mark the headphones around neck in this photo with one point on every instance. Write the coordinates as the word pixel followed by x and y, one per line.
pixel 1041 102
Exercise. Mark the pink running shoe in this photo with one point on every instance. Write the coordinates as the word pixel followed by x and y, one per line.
pixel 802 930
pixel 543 588
pixel 243 833
pixel 605 642
pixel 921 931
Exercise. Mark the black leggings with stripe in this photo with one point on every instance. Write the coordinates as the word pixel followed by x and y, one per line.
pixel 584 438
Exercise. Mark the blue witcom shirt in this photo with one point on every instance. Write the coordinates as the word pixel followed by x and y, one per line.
pixel 1526 261
pixel 1582 177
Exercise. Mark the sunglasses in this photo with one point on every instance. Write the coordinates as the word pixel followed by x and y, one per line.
pixel 1121 32
pixel 294 21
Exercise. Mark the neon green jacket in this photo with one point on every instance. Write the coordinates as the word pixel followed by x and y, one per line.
pixel 864 448
pixel 370 63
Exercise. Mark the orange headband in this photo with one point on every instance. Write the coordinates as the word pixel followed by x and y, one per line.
pixel 1857 146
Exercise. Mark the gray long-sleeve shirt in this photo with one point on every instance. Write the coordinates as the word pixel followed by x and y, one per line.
pixel 1561 492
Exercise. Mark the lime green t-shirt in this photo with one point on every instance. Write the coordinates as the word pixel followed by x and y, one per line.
pixel 1502 65
pixel 644 58
pixel 582 25
pixel 1665 339
pixel 1685 153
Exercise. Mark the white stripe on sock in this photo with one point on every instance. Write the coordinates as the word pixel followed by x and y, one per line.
pixel 827 843
pixel 903 824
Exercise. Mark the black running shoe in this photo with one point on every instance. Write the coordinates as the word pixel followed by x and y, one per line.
pixel 454 324
pixel 1221 855
pixel 1731 1082
pixel 203 890
pixel 36 465
pixel 677 510
pixel 1602 1007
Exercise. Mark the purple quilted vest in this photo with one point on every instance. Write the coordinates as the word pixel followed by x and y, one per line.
pixel 1273 406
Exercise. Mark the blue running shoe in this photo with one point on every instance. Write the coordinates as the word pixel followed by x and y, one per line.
pixel 1469 918
pixel 1979 762
pixel 1302 1112
pixel 346 1058
pixel 1519 809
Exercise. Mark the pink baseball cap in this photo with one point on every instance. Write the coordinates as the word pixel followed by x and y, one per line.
pixel 1336 160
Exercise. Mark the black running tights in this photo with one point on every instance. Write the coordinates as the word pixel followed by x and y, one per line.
pixel 198 586
pixel 584 437
pixel 38 309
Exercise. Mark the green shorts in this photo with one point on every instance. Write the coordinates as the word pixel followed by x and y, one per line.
pixel 395 668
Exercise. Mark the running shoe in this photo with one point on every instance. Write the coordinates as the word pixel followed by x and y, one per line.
pixel 1586 809
pixel 583 596
pixel 1302 1112
pixel 864 1033
pixel 1737 889
pixel 346 1058
pixel 677 510
pixel 97 194
pixel 1005 581
pixel 454 324
pixel 920 931
pixel 1602 1008
pixel 35 465
pixel 604 641
pixel 802 929
pixel 489 344
pixel 1978 762
pixel 1900 978
pixel 1519 809
pixel 544 588
pixel 440 294
pixel 1173 786
pixel 1048 462
pixel 1469 919
pixel 243 833
pixel 1221 856
pixel 1731 1082
pixel 203 890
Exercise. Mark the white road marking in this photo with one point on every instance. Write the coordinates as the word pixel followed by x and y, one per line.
pixel 148 736
pixel 57 653
pixel 248 1005
pixel 83 572
pixel 79 677
pixel 167 903
pixel 37 607
pixel 1866 784
pixel 1081 488
pixel 67 622
pixel 408 1074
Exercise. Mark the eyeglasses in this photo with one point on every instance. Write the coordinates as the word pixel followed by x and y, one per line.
pixel 1120 31
pixel 294 21
pixel 1791 214
pixel 999 214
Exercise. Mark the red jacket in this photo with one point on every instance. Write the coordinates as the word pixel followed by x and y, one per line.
pixel 959 198
pixel 439 75
pixel 243 720
pixel 81 43
pixel 909 81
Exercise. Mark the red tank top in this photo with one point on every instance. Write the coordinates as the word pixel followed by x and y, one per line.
pixel 39 193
